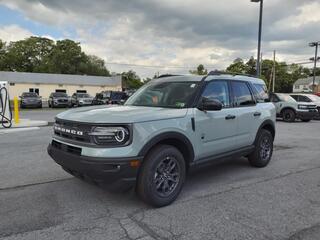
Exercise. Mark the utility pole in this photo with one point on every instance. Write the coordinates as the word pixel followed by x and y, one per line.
pixel 316 45
pixel 259 35
pixel 274 70
pixel 260 69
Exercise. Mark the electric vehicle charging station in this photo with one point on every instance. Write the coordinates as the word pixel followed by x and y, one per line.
pixel 5 109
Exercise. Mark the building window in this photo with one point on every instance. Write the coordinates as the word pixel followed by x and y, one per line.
pixel 35 90
pixel 12 84
pixel 296 87
pixel 81 91
pixel 61 90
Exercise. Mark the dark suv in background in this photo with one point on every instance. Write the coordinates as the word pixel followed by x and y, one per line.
pixel 58 99
pixel 30 99
pixel 110 97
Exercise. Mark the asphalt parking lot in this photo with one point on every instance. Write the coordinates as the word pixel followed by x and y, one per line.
pixel 232 200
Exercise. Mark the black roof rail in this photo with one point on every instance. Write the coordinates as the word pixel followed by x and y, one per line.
pixel 168 75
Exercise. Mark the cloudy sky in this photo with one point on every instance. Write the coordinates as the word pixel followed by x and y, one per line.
pixel 168 35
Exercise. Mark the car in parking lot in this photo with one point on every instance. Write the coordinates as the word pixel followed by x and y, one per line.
pixel 58 99
pixel 290 110
pixel 30 99
pixel 81 99
pixel 168 127
pixel 109 97
pixel 302 97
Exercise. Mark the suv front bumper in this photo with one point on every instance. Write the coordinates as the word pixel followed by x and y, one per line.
pixel 309 114
pixel 115 174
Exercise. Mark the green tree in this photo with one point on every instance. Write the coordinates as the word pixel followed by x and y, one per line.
pixel 238 66
pixel 130 80
pixel 200 70
pixel 66 58
pixel 93 65
pixel 2 53
pixel 252 66
pixel 26 55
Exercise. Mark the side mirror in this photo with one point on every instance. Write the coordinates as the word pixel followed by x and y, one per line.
pixel 207 104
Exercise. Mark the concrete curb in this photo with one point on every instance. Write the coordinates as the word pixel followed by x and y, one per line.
pixel 13 130
pixel 26 123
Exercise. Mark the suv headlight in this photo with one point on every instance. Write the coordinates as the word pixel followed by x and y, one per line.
pixel 110 135
pixel 302 106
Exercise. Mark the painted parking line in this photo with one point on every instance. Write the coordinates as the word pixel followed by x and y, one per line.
pixel 13 130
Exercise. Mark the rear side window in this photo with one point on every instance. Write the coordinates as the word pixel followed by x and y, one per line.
pixel 218 90
pixel 242 95
pixel 304 99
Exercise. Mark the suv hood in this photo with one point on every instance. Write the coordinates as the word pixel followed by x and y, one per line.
pixel 87 98
pixel 121 114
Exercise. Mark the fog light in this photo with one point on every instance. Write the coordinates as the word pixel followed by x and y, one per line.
pixel 134 163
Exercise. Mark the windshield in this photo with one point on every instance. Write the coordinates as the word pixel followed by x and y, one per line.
pixel 83 95
pixel 285 97
pixel 59 94
pixel 164 94
pixel 31 94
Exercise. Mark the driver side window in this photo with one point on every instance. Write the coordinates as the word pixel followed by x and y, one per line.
pixel 219 91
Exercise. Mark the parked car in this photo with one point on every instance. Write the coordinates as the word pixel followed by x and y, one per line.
pixel 168 127
pixel 290 110
pixel 109 97
pixel 30 99
pixel 301 97
pixel 81 99
pixel 58 99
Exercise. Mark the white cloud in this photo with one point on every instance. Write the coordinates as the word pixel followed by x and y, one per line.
pixel 13 33
pixel 179 32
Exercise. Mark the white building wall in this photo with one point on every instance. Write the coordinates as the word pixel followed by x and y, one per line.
pixel 46 89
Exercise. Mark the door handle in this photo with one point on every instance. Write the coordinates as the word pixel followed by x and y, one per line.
pixel 257 114
pixel 228 117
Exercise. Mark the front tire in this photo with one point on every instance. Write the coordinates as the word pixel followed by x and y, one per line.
pixel 161 176
pixel 288 115
pixel 262 153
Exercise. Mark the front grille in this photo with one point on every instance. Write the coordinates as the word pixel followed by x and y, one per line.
pixel 66 148
pixel 62 100
pixel 71 131
pixel 312 106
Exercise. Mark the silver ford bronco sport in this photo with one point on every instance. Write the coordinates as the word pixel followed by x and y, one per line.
pixel 168 127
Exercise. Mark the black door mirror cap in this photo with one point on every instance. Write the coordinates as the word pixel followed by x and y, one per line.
pixel 207 104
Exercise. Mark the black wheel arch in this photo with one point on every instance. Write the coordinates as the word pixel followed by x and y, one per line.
pixel 267 125
pixel 176 139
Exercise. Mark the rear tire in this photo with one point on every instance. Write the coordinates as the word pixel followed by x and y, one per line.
pixel 288 115
pixel 161 176
pixel 262 153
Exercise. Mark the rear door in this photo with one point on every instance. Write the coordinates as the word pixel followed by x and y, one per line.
pixel 247 113
pixel 216 130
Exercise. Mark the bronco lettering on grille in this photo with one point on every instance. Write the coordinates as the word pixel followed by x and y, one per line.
pixel 67 130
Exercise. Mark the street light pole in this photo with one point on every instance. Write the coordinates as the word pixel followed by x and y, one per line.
pixel 314 44
pixel 259 35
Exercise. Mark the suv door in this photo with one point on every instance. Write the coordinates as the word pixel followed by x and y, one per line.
pixel 246 111
pixel 215 130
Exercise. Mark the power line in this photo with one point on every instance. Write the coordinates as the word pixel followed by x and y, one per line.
pixel 184 67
